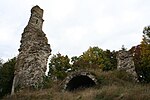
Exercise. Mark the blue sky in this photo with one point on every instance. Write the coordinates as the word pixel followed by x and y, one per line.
pixel 71 26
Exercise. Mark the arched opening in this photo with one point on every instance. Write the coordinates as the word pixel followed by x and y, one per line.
pixel 80 81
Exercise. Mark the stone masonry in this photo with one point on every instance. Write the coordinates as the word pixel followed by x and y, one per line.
pixel 33 53
pixel 126 63
pixel 78 73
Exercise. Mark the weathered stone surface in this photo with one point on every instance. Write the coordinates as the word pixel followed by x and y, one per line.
pixel 33 53
pixel 77 74
pixel 126 63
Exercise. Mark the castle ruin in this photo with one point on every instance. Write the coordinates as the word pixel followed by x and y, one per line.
pixel 34 51
pixel 125 63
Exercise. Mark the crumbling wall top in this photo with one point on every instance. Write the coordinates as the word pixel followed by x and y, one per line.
pixel 37 10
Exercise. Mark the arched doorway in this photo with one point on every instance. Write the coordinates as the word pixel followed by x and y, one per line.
pixel 79 80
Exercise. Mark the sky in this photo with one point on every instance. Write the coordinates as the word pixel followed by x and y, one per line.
pixel 72 26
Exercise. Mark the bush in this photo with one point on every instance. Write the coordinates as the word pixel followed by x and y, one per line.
pixel 47 83
pixel 6 77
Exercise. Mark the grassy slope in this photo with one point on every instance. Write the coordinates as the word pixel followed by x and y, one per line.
pixel 113 85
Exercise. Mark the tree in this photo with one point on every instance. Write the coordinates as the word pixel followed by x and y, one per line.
pixel 95 57
pixel 59 66
pixel 142 56
pixel 123 48
pixel 111 61
pixel 146 36
pixel 6 76
pixel 89 59
pixel 145 54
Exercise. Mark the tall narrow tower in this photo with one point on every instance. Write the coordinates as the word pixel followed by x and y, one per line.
pixel 33 53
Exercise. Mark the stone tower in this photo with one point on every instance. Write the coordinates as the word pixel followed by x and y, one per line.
pixel 33 53
pixel 126 63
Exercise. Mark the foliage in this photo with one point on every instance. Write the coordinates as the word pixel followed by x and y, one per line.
pixel 145 54
pixel 123 48
pixel 95 57
pixel 111 62
pixel 6 76
pixel 47 83
pixel 59 66
pixel 142 56
pixel 146 36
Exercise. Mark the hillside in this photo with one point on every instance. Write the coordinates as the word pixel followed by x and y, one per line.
pixel 113 85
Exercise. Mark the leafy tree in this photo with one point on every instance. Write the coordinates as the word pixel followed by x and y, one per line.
pixel 47 83
pixel 142 56
pixel 74 59
pixel 6 77
pixel 111 61
pixel 59 66
pixel 76 64
pixel 145 54
pixel 146 36
pixel 95 57
pixel 89 59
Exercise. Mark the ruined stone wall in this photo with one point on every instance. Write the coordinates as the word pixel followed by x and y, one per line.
pixel 125 62
pixel 76 74
pixel 33 53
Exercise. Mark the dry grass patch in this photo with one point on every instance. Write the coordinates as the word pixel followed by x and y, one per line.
pixel 113 85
